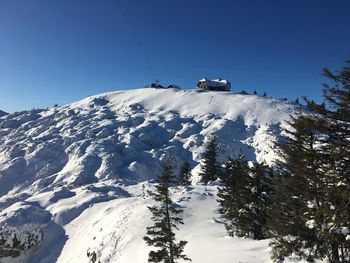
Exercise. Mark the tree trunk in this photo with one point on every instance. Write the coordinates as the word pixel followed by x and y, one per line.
pixel 335 253
pixel 171 249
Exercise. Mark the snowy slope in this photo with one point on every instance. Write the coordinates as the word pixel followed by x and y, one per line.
pixel 77 173
pixel 2 113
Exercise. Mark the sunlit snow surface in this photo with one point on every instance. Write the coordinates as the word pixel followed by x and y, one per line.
pixel 80 172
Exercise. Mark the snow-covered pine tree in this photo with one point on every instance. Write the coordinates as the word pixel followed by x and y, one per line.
pixel 245 198
pixel 166 218
pixel 262 192
pixel 17 240
pixel 297 214
pixel 209 166
pixel 185 174
pixel 234 189
pixel 312 207
pixel 335 112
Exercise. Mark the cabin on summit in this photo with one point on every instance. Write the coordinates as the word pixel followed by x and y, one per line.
pixel 215 84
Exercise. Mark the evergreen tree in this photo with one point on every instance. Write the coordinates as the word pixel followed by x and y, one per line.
pixel 185 174
pixel 297 211
pixel 312 206
pixel 233 194
pixel 245 198
pixel 166 218
pixel 255 93
pixel 335 130
pixel 210 168
pixel 262 192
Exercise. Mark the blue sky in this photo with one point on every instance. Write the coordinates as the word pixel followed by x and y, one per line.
pixel 59 51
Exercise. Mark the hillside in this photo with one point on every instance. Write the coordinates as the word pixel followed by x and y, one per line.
pixel 2 113
pixel 77 175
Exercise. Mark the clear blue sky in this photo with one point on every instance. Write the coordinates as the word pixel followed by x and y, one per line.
pixel 59 51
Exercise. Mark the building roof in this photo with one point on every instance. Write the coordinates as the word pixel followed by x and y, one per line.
pixel 215 82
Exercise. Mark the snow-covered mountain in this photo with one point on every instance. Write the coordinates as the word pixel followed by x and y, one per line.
pixel 73 179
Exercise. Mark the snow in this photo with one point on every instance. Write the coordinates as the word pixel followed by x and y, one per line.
pixel 120 225
pixel 77 175
pixel 124 135
pixel 2 113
